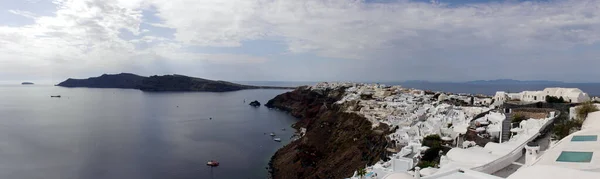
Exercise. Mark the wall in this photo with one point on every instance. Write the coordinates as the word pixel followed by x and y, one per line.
pixel 514 155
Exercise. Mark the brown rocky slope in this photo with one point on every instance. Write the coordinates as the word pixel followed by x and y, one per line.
pixel 336 143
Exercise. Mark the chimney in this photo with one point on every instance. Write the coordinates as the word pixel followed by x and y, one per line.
pixel 417 172
pixel 531 153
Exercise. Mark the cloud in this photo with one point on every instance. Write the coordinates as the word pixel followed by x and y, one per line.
pixel 83 37
pixel 23 13
pixel 355 29
pixel 415 40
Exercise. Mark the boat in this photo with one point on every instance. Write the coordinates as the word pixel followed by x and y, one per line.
pixel 277 139
pixel 57 96
pixel 272 134
pixel 283 129
pixel 212 163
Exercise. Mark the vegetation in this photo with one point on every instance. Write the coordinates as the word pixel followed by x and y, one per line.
pixel 432 141
pixel 361 172
pixel 425 164
pixel 563 127
pixel 552 99
pixel 518 117
pixel 584 109
pixel 431 156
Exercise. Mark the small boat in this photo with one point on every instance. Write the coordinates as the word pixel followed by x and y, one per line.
pixel 277 139
pixel 272 134
pixel 212 163
pixel 283 129
pixel 57 96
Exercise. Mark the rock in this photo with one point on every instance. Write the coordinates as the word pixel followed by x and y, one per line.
pixel 335 143
pixel 255 103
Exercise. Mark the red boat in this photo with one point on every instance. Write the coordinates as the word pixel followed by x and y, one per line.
pixel 212 163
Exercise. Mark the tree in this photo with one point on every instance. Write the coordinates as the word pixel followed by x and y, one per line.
pixel 552 99
pixel 361 172
pixel 430 156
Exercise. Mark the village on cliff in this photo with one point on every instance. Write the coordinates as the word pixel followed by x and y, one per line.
pixel 509 135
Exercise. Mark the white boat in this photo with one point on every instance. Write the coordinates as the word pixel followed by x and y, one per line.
pixel 272 134
pixel 277 139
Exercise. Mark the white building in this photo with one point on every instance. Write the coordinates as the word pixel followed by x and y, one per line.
pixel 572 95
pixel 575 156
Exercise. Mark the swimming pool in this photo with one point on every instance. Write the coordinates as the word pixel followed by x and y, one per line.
pixel 570 156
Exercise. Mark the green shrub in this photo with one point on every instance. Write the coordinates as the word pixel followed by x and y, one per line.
pixel 431 156
pixel 584 109
pixel 432 141
pixel 564 127
pixel 552 99
pixel 518 117
pixel 425 164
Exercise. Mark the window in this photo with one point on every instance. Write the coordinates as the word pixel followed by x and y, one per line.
pixel 569 156
pixel 584 138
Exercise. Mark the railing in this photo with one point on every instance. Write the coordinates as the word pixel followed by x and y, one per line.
pixel 515 154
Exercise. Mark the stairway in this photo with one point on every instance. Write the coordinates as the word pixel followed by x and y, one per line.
pixel 506 124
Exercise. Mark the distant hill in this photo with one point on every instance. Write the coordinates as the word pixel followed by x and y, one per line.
pixel 159 83
pixel 511 81
pixel 123 80
pixel 488 82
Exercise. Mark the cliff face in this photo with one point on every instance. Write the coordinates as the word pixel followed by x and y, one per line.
pixel 336 143
pixel 158 83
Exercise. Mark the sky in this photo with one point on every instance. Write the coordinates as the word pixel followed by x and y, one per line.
pixel 302 40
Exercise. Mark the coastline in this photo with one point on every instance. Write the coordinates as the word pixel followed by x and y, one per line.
pixel 350 141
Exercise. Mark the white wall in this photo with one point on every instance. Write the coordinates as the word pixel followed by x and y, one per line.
pixel 573 113
pixel 402 164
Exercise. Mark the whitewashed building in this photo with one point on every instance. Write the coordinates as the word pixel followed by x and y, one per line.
pixel 572 95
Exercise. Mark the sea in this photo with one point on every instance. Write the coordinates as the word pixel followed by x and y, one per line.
pixel 124 133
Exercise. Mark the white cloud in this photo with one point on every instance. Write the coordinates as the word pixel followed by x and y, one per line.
pixel 355 29
pixel 84 34
pixel 23 13
pixel 212 23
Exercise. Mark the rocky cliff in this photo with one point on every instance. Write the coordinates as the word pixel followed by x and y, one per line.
pixel 336 143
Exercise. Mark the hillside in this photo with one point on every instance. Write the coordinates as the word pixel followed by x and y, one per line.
pixel 158 83
pixel 123 80
pixel 336 143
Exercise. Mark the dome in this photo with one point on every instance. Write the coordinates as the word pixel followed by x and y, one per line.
pixel 399 176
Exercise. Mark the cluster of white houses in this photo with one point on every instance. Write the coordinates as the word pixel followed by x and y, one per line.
pixel 572 95
pixel 417 114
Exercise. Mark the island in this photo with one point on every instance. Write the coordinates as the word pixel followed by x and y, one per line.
pixel 159 83
pixel 255 103
pixel 27 83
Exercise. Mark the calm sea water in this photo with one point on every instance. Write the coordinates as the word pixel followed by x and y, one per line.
pixel 120 133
